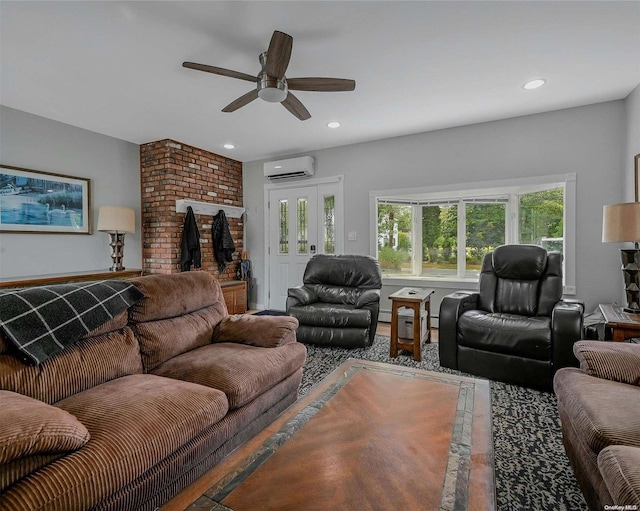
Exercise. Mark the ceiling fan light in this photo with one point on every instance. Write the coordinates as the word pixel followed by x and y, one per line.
pixel 272 94
pixel 272 90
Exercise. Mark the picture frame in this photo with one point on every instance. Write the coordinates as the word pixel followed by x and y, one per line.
pixel 637 166
pixel 37 202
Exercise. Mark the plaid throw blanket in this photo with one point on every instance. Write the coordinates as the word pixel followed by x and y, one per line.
pixel 42 321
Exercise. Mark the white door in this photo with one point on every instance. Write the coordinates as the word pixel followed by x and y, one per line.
pixel 303 221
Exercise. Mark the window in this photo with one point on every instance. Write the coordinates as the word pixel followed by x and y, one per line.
pixel 444 235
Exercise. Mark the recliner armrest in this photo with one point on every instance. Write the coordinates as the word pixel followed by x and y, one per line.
pixel 566 329
pixel 303 294
pixel 451 307
pixel 367 297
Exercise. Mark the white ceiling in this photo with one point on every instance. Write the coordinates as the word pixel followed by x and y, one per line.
pixel 116 67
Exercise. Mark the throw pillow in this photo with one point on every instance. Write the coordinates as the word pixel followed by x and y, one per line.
pixel 29 426
pixel 615 361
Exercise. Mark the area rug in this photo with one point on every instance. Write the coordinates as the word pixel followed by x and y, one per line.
pixel 531 468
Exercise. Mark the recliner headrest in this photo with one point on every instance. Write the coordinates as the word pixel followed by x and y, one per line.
pixel 519 262
pixel 343 270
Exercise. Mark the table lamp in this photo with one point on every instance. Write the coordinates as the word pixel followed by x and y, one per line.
pixel 116 221
pixel 621 223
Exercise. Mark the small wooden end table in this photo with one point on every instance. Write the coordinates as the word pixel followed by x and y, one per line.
pixel 624 325
pixel 412 298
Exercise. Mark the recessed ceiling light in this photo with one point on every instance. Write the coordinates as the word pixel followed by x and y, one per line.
pixel 534 84
pixel 229 146
pixel 333 124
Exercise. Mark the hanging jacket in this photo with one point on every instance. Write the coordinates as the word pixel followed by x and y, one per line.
pixel 190 248
pixel 223 247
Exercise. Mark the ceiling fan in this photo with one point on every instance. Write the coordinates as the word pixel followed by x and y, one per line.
pixel 272 85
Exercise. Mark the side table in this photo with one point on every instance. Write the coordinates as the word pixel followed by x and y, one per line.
pixel 412 298
pixel 623 324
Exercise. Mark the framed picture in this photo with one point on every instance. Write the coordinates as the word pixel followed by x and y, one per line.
pixel 637 166
pixel 32 201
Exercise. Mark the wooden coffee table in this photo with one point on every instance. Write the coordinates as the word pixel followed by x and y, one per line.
pixel 371 436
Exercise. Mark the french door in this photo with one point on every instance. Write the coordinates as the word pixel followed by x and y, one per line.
pixel 302 221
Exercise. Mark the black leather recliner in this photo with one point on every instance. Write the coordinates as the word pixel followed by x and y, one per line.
pixel 338 304
pixel 517 329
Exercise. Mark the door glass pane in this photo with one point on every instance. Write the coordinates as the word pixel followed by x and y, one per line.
pixel 541 219
pixel 485 230
pixel 440 240
pixel 329 210
pixel 303 225
pixel 283 214
pixel 394 239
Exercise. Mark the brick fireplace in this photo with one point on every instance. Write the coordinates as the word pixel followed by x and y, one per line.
pixel 171 170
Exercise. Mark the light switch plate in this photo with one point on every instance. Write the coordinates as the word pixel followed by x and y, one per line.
pixel 353 236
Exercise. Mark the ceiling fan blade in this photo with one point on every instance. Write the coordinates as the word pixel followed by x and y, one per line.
pixel 294 106
pixel 220 71
pixel 278 54
pixel 241 101
pixel 321 84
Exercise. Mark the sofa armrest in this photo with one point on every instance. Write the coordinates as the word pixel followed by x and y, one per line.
pixel 618 465
pixel 261 331
pixel 367 297
pixel 615 361
pixel 566 329
pixel 301 295
pixel 29 427
pixel 451 307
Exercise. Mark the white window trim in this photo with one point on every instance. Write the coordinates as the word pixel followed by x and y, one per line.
pixel 478 189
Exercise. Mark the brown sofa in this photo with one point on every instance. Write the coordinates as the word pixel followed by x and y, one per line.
pixel 142 406
pixel 599 406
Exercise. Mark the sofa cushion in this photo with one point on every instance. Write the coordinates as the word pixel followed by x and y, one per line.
pixel 90 362
pixel 262 331
pixel 332 315
pixel 511 334
pixel 603 412
pixel 609 360
pixel 135 422
pixel 168 296
pixel 620 468
pixel 242 372
pixel 164 339
pixel 29 427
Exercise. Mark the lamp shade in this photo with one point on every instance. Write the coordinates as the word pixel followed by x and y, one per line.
pixel 116 219
pixel 621 222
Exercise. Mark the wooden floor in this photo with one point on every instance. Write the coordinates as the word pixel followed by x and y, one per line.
pixel 353 444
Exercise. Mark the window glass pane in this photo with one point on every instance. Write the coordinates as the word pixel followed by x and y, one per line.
pixel 439 240
pixel 303 215
pixel 485 230
pixel 394 239
pixel 283 212
pixel 541 218
pixel 329 209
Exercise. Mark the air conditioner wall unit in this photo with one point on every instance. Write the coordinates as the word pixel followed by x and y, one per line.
pixel 292 168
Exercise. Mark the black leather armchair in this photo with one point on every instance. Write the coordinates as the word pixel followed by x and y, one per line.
pixel 517 329
pixel 338 304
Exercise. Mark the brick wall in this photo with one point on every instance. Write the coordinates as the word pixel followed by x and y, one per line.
pixel 170 170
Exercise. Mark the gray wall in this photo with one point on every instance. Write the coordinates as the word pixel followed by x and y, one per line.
pixel 633 141
pixel 112 165
pixel 589 141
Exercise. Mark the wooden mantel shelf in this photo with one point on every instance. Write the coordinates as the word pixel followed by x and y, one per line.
pixel 58 278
